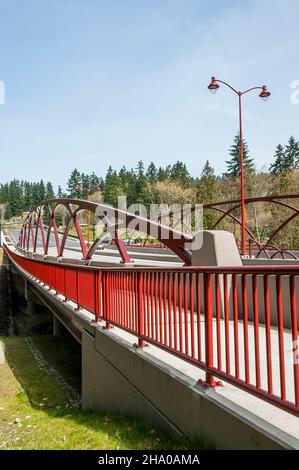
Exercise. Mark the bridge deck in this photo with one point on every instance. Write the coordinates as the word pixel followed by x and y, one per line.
pixel 106 256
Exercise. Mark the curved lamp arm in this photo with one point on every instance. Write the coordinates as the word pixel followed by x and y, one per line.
pixel 227 84
pixel 253 88
pixel 240 93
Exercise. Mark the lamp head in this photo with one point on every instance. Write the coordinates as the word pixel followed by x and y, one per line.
pixel 213 86
pixel 264 94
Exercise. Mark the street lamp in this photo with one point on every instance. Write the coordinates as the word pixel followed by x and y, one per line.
pixel 264 94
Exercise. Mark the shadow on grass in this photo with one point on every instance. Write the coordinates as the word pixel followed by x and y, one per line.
pixel 47 396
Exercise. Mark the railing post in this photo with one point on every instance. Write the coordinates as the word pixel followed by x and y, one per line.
pixel 106 303
pixel 280 328
pixel 208 299
pixel 140 312
pixel 55 276
pixel 77 290
pixel 295 337
pixel 65 283
pixel 208 312
pixel 97 300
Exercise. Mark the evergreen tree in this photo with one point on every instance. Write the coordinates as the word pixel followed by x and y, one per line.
pixel 179 173
pixel 15 198
pixel 138 191
pixel 35 195
pixel 95 183
pixel 152 173
pixel 286 158
pixel 292 153
pixel 129 186
pixel 207 193
pixel 123 177
pixel 41 191
pixel 208 171
pixel 280 164
pixel 140 168
pixel 85 186
pixel 112 188
pixel 4 193
pixel 27 196
pixel 233 165
pixel 49 191
pixel 8 213
pixel 60 192
pixel 163 174
pixel 74 185
pixel 127 180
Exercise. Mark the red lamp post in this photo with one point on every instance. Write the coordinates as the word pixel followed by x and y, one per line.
pixel 264 94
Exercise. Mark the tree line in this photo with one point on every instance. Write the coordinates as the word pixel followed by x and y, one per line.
pixel 170 184
pixel 19 196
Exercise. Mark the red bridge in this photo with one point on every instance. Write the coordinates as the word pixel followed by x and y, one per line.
pixel 235 326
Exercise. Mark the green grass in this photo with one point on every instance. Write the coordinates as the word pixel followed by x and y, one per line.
pixel 35 412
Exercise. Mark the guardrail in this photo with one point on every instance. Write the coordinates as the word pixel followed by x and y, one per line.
pixel 199 314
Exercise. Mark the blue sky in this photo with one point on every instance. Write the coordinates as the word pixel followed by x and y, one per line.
pixel 91 82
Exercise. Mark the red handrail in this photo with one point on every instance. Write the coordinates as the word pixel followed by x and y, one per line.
pixel 196 313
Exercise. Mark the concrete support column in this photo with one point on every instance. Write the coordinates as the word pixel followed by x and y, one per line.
pixel 218 248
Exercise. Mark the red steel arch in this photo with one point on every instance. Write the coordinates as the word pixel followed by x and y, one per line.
pixel 112 218
pixel 226 208
pixel 173 239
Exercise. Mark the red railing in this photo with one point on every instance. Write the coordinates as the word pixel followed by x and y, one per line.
pixel 237 324
pixel 288 203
